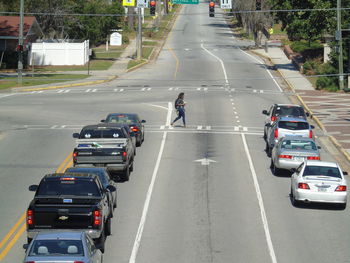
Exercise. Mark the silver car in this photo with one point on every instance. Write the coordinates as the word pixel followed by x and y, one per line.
pixel 287 126
pixel 317 181
pixel 63 247
pixel 290 152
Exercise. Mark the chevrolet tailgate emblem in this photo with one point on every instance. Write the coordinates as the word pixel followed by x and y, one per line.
pixel 63 218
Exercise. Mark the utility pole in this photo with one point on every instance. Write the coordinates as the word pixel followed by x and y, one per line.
pixel 20 44
pixel 340 57
pixel 139 35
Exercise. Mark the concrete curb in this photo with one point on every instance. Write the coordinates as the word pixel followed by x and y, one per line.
pixel 315 118
pixel 71 85
pixel 137 66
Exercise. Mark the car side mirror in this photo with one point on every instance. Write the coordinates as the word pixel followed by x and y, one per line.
pixel 111 188
pixel 33 187
pixel 143 121
pixel 293 170
pixel 25 246
pixel 307 114
pixel 103 120
pixel 312 127
pixel 265 112
pixel 76 135
pixel 345 173
pixel 319 147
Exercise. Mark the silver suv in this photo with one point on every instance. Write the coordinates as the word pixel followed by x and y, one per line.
pixel 287 126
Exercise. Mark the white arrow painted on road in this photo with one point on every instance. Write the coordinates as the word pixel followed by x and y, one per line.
pixel 205 161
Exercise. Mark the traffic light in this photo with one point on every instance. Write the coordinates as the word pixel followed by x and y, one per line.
pixel 152 9
pixel 211 9
pixel 257 4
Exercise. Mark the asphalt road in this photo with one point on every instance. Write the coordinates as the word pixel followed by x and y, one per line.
pixel 175 209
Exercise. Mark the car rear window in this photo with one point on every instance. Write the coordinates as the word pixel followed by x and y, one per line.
pixel 298 145
pixel 122 118
pixel 322 171
pixel 101 133
pixel 63 186
pixel 290 111
pixel 293 125
pixel 59 247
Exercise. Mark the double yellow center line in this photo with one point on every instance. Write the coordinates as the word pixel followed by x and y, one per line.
pixel 20 226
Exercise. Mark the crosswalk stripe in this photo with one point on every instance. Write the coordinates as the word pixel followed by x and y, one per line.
pixel 199 127
pixel 208 127
pixel 162 127
pixel 236 128
pixel 88 90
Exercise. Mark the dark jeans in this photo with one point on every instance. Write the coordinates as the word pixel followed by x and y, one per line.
pixel 181 114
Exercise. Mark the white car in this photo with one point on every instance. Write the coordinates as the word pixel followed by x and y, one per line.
pixel 317 181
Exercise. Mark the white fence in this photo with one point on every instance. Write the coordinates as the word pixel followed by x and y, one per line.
pixel 59 54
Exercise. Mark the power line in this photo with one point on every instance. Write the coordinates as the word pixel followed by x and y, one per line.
pixel 200 13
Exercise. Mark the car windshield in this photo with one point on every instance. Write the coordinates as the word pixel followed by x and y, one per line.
pixel 290 111
pixel 57 247
pixel 101 133
pixel 298 145
pixel 66 186
pixel 100 173
pixel 122 118
pixel 322 171
pixel 293 125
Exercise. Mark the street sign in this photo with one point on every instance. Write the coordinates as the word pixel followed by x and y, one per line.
pixel 226 4
pixel 184 2
pixel 142 3
pixel 128 2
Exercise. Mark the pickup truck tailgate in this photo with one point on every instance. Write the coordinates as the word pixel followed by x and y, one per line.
pixel 100 151
pixel 63 213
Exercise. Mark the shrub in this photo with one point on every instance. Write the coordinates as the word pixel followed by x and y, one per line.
pixel 329 83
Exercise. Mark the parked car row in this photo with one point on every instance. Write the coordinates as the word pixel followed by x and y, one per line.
pixel 70 215
pixel 291 145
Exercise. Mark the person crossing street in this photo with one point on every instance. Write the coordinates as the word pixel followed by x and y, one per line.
pixel 180 108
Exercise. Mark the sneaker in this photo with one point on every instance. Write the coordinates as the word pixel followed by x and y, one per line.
pixel 172 124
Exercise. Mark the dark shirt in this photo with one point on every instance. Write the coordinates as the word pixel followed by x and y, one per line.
pixel 179 103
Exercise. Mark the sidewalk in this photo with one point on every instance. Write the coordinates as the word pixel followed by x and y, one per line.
pixel 97 76
pixel 331 111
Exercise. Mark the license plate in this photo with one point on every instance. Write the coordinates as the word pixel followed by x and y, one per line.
pixel 298 159
pixel 322 189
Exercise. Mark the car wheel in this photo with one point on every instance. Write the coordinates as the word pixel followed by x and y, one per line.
pixel 268 150
pixel 138 143
pixel 295 202
pixel 276 171
pixel 265 136
pixel 132 166
pixel 101 241
pixel 126 174
pixel 108 227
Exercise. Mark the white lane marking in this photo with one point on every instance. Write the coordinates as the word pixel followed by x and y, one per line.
pixel 222 63
pixel 261 203
pixel 149 89
pixel 162 127
pixel 60 91
pixel 143 89
pixel 7 95
pixel 260 62
pixel 236 128
pixel 234 108
pixel 94 90
pixel 233 103
pixel 198 88
pixel 54 126
pixel 235 112
pixel 208 127
pixel 245 129
pixel 137 242
pixel 170 112
pixel 158 106
pixel 116 90
pixel 205 89
pixel 63 126
pixel 121 90
pixel 170 89
pixel 88 90
pixel 237 117
pixel 254 90
pixel 261 91
pixel 199 127
pixel 238 121
pixel 67 90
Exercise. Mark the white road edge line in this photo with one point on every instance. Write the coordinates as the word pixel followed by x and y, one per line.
pixel 268 71
pixel 137 242
pixel 260 200
pixel 222 63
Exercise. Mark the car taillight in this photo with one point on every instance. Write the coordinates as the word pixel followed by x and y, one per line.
pixel 97 218
pixel 30 217
pixel 134 129
pixel 284 156
pixel 275 133
pixel 303 186
pixel 311 134
pixel 78 261
pixel 75 154
pixel 341 188
pixel 273 118
pixel 313 157
pixel 32 262
pixel 125 155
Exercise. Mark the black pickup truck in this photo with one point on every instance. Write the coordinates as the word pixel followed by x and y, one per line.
pixel 105 145
pixel 70 201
